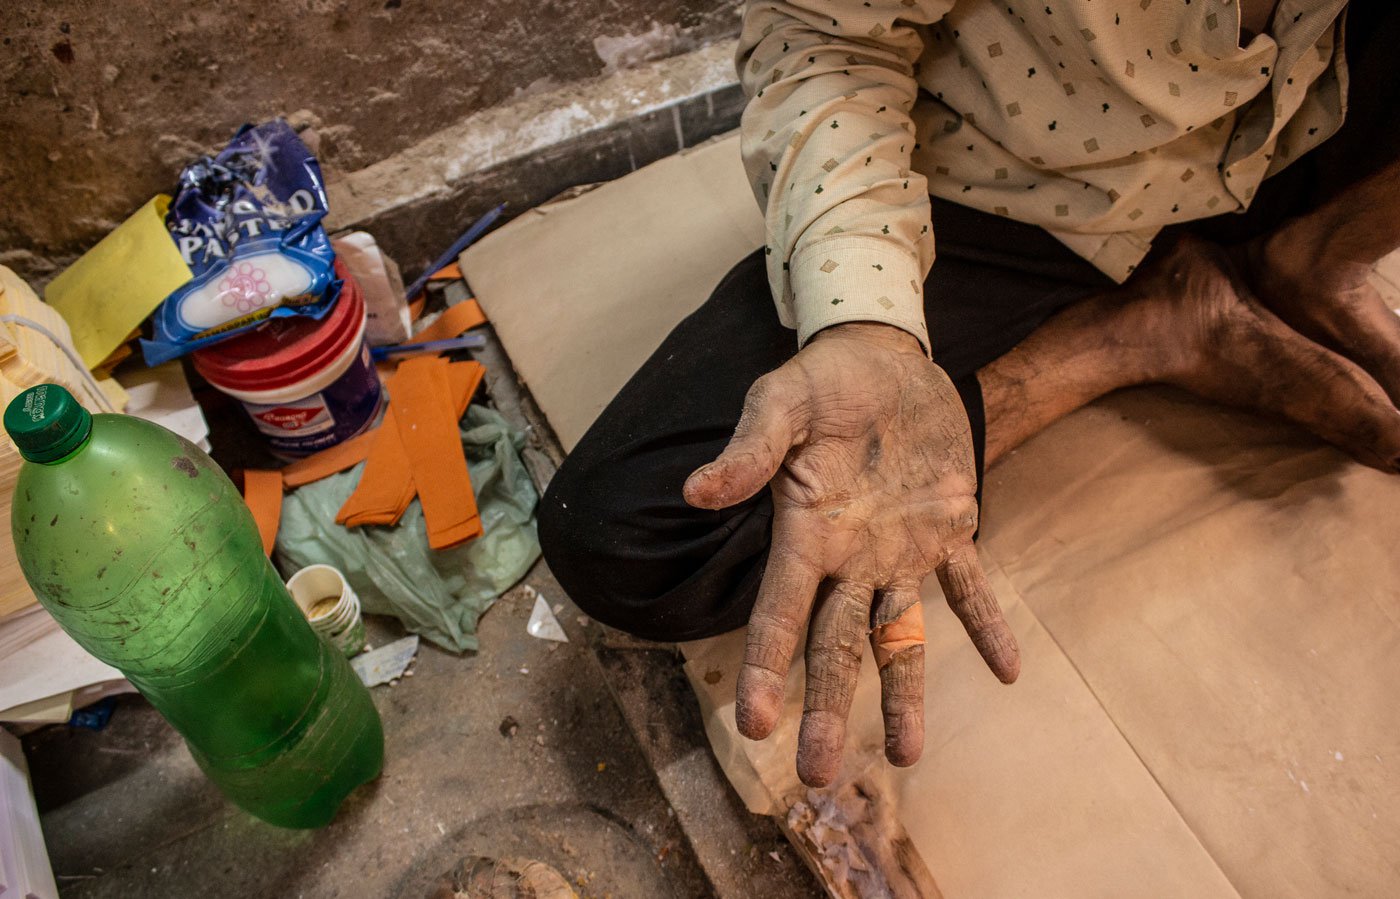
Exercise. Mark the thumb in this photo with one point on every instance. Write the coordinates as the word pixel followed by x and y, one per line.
pixel 765 433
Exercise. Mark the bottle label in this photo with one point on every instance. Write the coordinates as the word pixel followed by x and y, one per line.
pixel 299 418
pixel 344 408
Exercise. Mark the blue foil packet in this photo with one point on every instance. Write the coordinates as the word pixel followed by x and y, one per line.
pixel 248 224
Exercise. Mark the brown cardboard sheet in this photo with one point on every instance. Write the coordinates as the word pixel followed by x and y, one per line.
pixel 1208 604
pixel 582 290
pixel 1229 589
pixel 1024 790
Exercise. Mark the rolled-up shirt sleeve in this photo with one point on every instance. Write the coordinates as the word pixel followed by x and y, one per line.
pixel 827 139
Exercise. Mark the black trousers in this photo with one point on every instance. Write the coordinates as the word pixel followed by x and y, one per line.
pixel 616 531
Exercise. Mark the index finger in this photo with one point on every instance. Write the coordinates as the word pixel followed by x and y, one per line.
pixel 971 599
pixel 784 602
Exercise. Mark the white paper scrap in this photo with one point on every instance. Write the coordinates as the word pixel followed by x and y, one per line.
pixel 162 395
pixel 24 862
pixel 543 624
pixel 388 662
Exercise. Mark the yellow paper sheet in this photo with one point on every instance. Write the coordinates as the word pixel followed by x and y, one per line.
pixel 110 290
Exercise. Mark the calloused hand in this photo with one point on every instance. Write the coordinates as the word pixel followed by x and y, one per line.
pixel 867 450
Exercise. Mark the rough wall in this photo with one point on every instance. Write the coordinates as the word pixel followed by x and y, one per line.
pixel 101 103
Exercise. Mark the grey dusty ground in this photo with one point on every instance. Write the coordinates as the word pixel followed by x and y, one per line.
pixel 520 749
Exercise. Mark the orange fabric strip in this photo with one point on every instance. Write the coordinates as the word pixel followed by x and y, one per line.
pixel 449 272
pixel 427 423
pixel 262 491
pixel 462 317
pixel 328 461
pixel 465 378
pixel 387 485
pixel 888 640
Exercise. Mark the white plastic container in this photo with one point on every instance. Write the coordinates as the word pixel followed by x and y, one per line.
pixel 386 307
pixel 330 605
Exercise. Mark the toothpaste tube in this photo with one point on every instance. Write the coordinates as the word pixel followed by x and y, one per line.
pixel 248 224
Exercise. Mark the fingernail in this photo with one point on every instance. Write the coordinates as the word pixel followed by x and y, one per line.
pixel 692 482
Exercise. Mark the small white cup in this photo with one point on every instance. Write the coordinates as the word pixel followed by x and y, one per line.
pixel 330 605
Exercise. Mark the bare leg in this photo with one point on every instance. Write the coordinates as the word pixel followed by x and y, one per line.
pixel 1081 354
pixel 1186 320
pixel 1314 273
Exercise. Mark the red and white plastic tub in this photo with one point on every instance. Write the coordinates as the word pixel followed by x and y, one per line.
pixel 306 384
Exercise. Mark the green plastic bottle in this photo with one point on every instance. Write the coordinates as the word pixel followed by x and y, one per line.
pixel 147 556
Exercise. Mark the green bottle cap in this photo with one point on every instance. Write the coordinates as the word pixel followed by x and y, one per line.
pixel 46 423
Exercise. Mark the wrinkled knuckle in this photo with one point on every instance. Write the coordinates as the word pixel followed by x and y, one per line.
pixel 966 516
pixel 836 655
pixel 788 558
pixel 979 610
pixel 961 571
pixel 903 689
pixel 764 392
pixel 768 647
pixel 828 696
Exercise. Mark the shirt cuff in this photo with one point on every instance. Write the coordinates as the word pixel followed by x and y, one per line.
pixel 857 279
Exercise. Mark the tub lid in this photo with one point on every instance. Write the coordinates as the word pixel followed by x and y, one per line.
pixel 286 350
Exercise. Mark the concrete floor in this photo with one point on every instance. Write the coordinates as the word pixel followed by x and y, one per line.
pixel 127 814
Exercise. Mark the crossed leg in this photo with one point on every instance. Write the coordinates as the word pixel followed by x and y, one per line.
pixel 1190 319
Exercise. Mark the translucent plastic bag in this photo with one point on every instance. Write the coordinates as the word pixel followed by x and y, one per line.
pixel 247 222
pixel 439 595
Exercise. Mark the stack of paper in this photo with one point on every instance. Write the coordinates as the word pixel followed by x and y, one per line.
pixel 35 347
pixel 47 679
pixel 40 666
pixel 24 863
pixel 162 395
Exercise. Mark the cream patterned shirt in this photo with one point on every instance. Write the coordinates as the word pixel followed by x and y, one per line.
pixel 1101 121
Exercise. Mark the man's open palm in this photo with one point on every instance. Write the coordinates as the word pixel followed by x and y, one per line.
pixel 867 450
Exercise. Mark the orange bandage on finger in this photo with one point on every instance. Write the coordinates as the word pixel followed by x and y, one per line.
pixel 888 640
